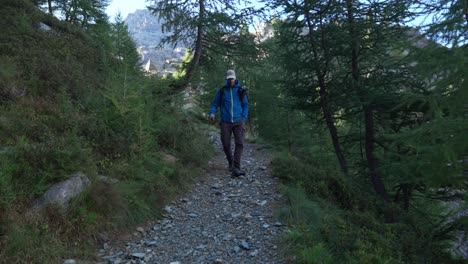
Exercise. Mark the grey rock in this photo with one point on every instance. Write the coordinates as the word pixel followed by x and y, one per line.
pixel 61 193
pixel 227 214
pixel 278 224
pixel 235 215
pixel 138 255
pixel 254 253
pixel 168 209
pixel 69 261
pixel 216 186
pixel 201 247
pixel 212 259
pixel 266 226
pixel 236 249
pixel 115 261
pixel 151 243
pixel 256 213
pixel 245 245
pixel 262 167
pixel 192 215
pixel 44 27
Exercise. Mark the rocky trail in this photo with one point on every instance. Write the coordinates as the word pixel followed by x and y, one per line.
pixel 220 220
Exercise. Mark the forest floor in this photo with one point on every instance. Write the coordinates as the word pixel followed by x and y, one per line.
pixel 220 219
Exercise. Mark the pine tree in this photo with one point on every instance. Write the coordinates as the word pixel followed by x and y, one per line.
pixel 307 44
pixel 125 49
pixel 84 13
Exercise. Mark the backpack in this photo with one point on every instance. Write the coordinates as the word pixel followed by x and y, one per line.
pixel 242 93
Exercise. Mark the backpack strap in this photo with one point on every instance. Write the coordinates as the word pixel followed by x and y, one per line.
pixel 242 92
pixel 221 95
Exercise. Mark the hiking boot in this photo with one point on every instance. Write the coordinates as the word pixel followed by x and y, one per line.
pixel 237 172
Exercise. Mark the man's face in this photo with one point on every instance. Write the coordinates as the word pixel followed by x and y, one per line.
pixel 231 81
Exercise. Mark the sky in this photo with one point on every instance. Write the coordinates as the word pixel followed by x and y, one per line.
pixel 125 7
pixel 129 6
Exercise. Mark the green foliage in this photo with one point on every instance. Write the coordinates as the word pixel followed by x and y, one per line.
pixel 316 254
pixel 315 176
pixel 397 101
pixel 87 14
pixel 322 232
pixel 73 100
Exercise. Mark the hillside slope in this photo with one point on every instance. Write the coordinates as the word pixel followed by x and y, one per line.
pixel 69 105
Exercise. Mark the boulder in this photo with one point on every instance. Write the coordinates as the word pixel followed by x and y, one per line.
pixel 168 158
pixel 61 193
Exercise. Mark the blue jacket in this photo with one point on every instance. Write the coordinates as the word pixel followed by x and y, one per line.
pixel 232 109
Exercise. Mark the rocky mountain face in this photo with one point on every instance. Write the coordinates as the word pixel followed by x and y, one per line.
pixel 146 31
pixel 264 31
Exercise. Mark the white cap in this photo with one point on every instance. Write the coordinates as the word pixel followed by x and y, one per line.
pixel 230 74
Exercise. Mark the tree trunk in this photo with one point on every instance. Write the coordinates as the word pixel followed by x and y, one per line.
pixel 465 7
pixel 49 2
pixel 331 125
pixel 325 104
pixel 372 163
pixel 198 45
pixel 407 189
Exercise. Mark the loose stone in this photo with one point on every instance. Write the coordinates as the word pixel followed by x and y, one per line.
pixel 168 209
pixel 220 220
pixel 256 213
pixel 245 245
pixel 151 243
pixel 138 255
pixel 236 249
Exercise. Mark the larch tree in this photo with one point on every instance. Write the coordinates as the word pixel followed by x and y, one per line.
pixel 198 23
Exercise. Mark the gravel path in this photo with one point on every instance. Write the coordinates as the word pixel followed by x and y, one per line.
pixel 221 220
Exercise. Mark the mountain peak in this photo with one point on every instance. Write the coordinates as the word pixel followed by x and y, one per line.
pixel 146 30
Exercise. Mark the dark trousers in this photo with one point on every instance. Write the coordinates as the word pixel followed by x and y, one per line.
pixel 226 131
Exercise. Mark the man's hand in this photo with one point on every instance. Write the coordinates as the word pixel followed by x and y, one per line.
pixel 212 117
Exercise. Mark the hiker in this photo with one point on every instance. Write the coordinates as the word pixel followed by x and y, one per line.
pixel 234 105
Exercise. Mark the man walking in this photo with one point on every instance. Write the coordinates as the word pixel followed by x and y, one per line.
pixel 234 105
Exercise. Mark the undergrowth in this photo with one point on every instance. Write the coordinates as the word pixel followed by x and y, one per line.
pixel 331 220
pixel 68 105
